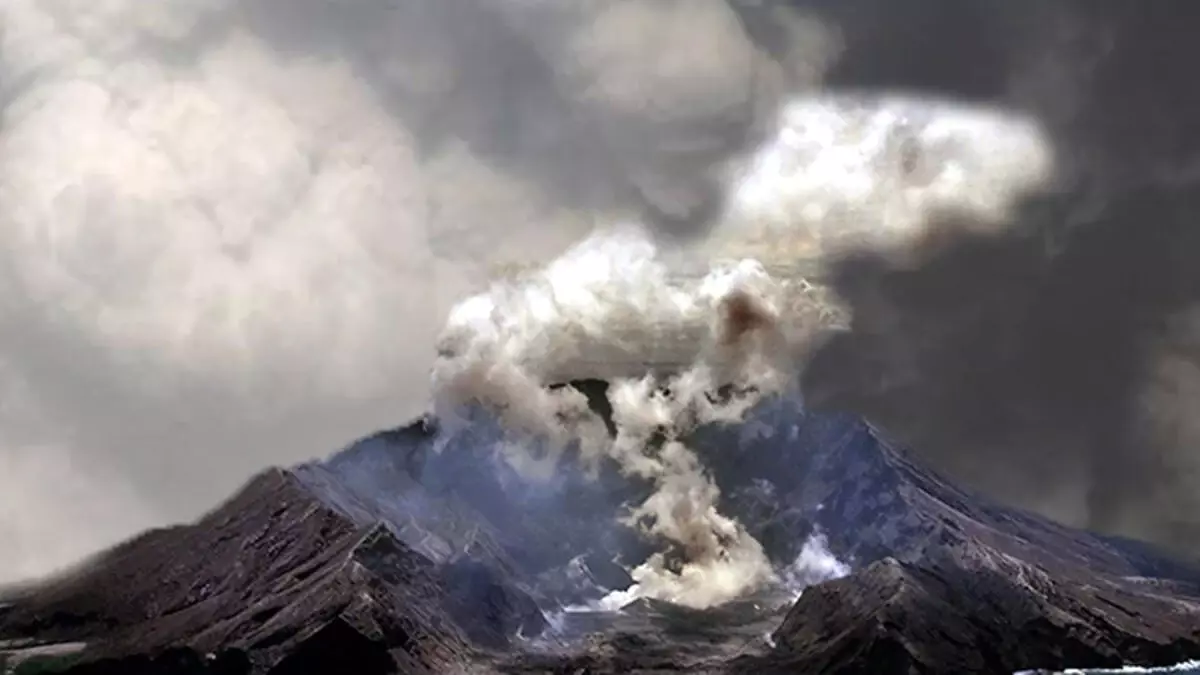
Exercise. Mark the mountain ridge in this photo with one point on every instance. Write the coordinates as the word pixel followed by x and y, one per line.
pixel 409 545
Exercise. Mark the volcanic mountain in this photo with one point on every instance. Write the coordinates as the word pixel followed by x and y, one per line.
pixel 419 550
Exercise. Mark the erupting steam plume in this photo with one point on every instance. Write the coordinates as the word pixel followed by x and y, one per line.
pixel 839 175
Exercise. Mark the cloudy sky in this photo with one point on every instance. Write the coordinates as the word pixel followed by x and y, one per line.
pixel 230 230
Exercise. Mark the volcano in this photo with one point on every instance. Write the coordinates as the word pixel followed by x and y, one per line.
pixel 419 550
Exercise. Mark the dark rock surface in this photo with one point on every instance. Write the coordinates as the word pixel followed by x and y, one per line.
pixel 268 573
pixel 972 609
pixel 415 550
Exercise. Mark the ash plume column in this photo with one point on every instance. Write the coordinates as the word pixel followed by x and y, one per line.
pixel 608 301
pixel 838 174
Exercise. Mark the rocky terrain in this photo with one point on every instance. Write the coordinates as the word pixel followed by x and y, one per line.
pixel 416 551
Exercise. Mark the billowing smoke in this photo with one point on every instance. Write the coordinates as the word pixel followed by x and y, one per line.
pixel 603 304
pixel 696 335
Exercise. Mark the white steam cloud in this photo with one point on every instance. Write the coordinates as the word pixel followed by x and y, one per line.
pixel 846 173
pixel 615 306
pixel 813 565
pixel 504 347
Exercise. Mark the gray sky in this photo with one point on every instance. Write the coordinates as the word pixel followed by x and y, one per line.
pixel 230 230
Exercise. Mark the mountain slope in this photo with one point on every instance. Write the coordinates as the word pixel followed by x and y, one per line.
pixel 874 500
pixel 269 572
pixel 418 550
